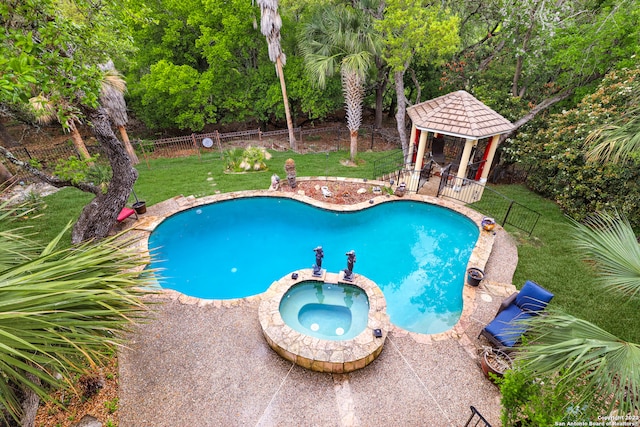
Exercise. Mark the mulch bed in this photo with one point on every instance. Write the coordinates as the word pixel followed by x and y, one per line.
pixel 344 193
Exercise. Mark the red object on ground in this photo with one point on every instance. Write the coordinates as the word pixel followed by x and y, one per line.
pixel 126 213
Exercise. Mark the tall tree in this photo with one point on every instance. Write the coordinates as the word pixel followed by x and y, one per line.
pixel 270 24
pixel 546 52
pixel 62 312
pixel 411 30
pixel 53 54
pixel 341 38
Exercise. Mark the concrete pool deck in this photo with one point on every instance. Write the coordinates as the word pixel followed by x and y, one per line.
pixel 206 363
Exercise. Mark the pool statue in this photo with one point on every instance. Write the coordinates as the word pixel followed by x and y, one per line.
pixel 317 268
pixel 275 182
pixel 351 259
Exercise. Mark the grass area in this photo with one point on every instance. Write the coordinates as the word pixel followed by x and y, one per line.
pixel 547 257
pixel 166 178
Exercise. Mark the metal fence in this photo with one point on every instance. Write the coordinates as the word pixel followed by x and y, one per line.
pixel 197 144
pixel 388 166
pixel 489 202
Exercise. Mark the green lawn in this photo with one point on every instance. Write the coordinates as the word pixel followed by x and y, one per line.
pixel 546 257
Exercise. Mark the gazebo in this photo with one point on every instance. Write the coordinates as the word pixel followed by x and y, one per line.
pixel 460 116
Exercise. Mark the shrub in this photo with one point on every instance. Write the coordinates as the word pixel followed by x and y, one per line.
pixel 244 160
pixel 557 154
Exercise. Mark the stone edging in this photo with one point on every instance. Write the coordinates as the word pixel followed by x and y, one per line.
pixel 317 354
pixel 142 229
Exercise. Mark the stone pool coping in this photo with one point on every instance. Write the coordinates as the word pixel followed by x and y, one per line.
pixel 338 357
pixel 142 229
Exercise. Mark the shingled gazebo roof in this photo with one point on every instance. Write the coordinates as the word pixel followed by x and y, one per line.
pixel 458 114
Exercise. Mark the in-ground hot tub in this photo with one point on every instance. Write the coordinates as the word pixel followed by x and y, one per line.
pixel 354 317
pixel 324 310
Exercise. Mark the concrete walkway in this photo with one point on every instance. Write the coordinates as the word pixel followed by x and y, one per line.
pixel 194 364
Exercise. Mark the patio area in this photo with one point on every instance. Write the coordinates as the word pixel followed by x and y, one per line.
pixel 207 363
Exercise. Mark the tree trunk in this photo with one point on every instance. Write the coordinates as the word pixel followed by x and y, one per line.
pixel 525 45
pixel 97 218
pixel 78 142
pixel 353 89
pixel 127 145
pixel 292 137
pixel 535 110
pixel 353 134
pixel 401 114
pixel 30 403
pixel 378 119
pixel 5 174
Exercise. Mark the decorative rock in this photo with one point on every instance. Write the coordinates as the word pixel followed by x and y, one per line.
pixel 87 421
pixel 361 190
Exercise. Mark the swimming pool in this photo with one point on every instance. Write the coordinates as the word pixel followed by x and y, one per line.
pixel 416 252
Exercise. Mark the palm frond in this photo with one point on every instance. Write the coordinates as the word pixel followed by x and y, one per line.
pixel 61 309
pixel 587 358
pixel 42 109
pixel 616 142
pixel 609 241
pixel 112 96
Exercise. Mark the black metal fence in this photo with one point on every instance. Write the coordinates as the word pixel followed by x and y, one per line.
pixel 388 166
pixel 489 202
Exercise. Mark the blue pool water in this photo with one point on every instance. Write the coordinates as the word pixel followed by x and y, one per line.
pixel 326 311
pixel 415 252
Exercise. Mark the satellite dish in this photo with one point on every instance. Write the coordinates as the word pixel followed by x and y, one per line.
pixel 207 143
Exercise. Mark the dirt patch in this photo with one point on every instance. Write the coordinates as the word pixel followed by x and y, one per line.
pixel 67 409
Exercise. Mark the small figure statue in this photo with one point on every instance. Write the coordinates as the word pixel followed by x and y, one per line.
pixel 275 182
pixel 351 259
pixel 317 268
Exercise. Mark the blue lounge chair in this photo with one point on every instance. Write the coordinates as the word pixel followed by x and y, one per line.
pixel 505 330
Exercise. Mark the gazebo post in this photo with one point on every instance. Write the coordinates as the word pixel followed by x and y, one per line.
pixel 415 176
pixel 464 160
pixel 410 149
pixel 490 152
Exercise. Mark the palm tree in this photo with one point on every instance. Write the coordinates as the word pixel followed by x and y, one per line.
pixel 61 310
pixel 45 113
pixel 112 99
pixel 596 365
pixel 270 25
pixel 342 38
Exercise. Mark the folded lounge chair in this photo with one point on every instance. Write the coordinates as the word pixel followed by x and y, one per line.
pixel 505 330
pixel 126 213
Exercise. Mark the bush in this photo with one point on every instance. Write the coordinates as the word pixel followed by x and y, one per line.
pixel 557 154
pixel 244 160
